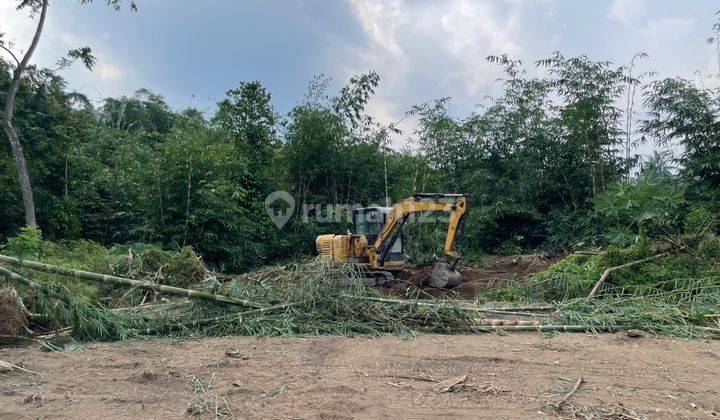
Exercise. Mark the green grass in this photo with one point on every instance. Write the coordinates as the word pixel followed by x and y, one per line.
pixel 671 295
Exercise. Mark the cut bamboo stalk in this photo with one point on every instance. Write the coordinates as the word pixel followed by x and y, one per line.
pixel 607 272
pixel 151 309
pixel 492 322
pixel 502 312
pixel 530 328
pixel 65 333
pixel 550 328
pixel 524 308
pixel 10 366
pixel 104 278
pixel 208 321
pixel 17 277
pixel 572 391
pixel 464 303
pixel 505 311
pixel 709 329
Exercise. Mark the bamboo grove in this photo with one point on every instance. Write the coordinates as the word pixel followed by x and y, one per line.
pixel 548 163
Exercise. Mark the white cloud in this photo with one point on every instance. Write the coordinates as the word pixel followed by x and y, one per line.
pixel 467 30
pixel 666 41
pixel 473 30
pixel 627 12
pixel 380 21
pixel 448 42
pixel 109 72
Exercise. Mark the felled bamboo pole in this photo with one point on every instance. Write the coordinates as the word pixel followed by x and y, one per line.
pixel 151 309
pixel 549 328
pixel 709 329
pixel 208 321
pixel 504 312
pixel 524 308
pixel 17 277
pixel 528 328
pixel 104 278
pixel 474 305
pixel 432 304
pixel 497 322
pixel 607 272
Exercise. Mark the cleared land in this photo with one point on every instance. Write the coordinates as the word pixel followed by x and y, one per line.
pixel 519 375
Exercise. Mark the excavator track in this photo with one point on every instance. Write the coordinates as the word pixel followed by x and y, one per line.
pixel 376 278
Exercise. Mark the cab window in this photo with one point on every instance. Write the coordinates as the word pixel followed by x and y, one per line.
pixel 368 222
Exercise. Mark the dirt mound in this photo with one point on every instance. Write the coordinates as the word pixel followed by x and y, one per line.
pixel 496 272
pixel 12 317
pixel 492 274
pixel 504 267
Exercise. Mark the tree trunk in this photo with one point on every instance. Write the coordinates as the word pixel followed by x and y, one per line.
pixel 20 165
pixel 23 177
pixel 65 177
pixel 187 205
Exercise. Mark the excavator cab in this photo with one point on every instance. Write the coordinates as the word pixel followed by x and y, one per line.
pixel 369 222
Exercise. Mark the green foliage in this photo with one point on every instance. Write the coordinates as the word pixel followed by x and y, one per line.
pixel 700 218
pixel 542 163
pixel 534 155
pixel 424 242
pixel 681 114
pixel 650 204
pixel 154 259
pixel 61 308
pixel 184 268
pixel 512 246
pixel 327 298
pixel 574 276
pixel 639 203
pixel 710 248
pixel 27 244
pixel 672 296
pixel 569 278
pixel 675 313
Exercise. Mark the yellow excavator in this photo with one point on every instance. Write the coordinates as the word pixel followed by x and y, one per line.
pixel 376 246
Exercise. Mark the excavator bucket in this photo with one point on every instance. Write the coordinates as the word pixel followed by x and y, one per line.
pixel 444 275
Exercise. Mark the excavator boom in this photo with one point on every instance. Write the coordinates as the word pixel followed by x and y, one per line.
pixel 455 205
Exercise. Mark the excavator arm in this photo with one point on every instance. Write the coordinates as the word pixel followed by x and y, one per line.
pixel 454 204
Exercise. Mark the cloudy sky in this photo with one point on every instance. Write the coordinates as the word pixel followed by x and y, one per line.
pixel 192 51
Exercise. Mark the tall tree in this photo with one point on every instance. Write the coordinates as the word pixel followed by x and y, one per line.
pixel 23 176
pixel 85 54
pixel 685 117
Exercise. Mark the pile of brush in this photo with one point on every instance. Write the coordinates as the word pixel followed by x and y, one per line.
pixel 317 297
pixel 676 293
pixel 662 288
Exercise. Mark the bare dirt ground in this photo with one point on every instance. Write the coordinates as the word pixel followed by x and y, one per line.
pixel 492 274
pixel 513 376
